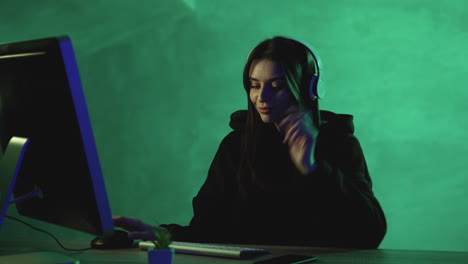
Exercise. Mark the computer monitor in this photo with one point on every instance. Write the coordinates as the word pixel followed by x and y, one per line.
pixel 41 99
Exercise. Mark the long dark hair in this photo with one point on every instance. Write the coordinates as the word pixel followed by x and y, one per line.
pixel 298 67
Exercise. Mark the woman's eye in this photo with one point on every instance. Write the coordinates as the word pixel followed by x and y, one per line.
pixel 277 87
pixel 254 86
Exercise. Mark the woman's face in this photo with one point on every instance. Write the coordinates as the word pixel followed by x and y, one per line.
pixel 268 90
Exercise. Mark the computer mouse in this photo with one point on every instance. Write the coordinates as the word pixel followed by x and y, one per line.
pixel 118 239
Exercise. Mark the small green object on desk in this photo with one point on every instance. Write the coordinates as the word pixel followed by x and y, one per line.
pixel 163 239
pixel 161 253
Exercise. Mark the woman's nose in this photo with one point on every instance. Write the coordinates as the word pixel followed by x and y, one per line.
pixel 265 94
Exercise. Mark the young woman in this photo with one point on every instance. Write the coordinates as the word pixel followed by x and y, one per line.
pixel 288 173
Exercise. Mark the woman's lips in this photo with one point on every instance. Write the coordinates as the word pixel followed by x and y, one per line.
pixel 264 110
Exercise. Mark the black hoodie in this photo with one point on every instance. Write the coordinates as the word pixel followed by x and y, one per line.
pixel 334 206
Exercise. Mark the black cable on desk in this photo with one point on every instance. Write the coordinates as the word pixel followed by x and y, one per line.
pixel 43 231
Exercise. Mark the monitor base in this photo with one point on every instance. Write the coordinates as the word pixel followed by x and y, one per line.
pixel 41 257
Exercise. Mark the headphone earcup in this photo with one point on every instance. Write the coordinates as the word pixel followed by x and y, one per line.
pixel 313 88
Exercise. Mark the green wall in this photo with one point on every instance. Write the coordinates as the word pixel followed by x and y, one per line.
pixel 161 78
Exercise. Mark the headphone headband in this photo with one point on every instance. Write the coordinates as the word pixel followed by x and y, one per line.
pixel 316 86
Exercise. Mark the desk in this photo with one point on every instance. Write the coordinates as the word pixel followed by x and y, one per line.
pixel 326 255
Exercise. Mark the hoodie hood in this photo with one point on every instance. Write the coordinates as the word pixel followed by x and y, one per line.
pixel 337 123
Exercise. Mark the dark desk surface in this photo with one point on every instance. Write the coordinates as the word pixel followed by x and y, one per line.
pixel 326 255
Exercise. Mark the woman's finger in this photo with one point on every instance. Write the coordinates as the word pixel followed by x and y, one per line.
pixel 146 235
pixel 129 223
pixel 288 121
pixel 297 138
pixel 291 130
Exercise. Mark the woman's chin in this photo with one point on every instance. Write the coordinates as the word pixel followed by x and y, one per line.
pixel 267 119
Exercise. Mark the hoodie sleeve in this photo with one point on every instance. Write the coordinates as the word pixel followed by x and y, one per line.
pixel 211 204
pixel 352 215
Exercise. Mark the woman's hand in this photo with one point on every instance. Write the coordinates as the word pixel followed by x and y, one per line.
pixel 300 134
pixel 137 229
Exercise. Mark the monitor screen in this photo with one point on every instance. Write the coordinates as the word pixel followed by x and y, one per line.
pixel 41 99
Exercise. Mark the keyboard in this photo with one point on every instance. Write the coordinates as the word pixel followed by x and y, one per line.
pixel 210 250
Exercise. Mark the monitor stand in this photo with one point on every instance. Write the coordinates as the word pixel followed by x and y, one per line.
pixel 9 168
